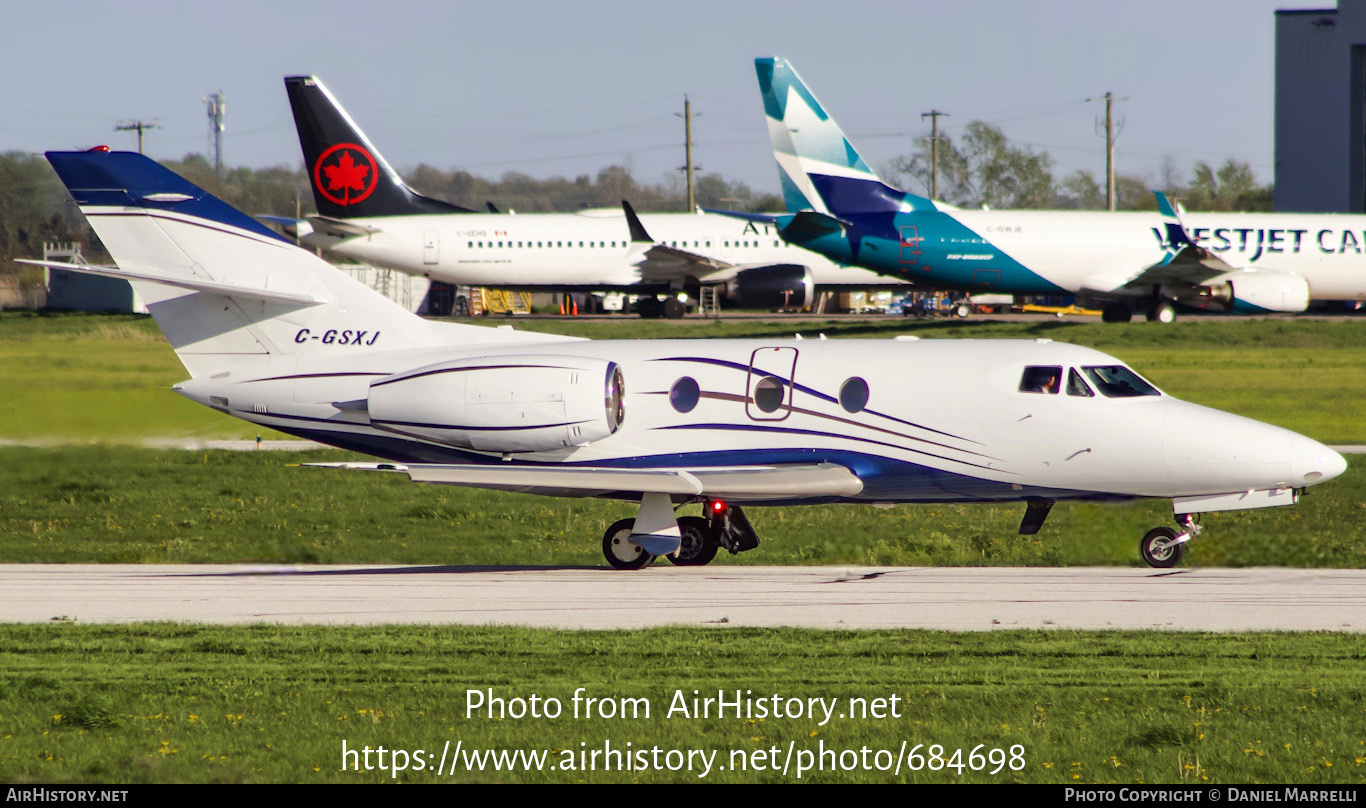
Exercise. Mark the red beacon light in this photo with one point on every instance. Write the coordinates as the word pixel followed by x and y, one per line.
pixel 99 149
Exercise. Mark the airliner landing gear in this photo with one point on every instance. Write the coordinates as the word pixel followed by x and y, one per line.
pixel 1162 312
pixel 1116 313
pixel 1164 547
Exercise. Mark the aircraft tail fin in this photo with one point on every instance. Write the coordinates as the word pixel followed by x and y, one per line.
pixel 819 168
pixel 227 291
pixel 349 177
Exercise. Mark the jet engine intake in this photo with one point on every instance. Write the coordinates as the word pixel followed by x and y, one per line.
pixel 524 403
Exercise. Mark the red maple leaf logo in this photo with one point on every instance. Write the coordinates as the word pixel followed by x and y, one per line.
pixel 346 174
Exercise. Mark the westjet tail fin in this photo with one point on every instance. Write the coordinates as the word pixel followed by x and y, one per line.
pixel 349 176
pixel 228 292
pixel 819 168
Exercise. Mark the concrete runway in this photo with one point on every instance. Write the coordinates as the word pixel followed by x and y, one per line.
pixel 964 599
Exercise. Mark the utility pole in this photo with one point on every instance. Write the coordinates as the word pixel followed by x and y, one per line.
pixel 1110 135
pixel 1110 151
pixel 140 126
pixel 218 113
pixel 687 151
pixel 933 115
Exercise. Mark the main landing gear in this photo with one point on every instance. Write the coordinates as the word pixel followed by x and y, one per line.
pixel 692 541
pixel 1164 547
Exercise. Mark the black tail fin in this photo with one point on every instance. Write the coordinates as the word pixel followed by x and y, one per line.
pixel 349 177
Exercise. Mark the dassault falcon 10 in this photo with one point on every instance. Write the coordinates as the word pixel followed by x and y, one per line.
pixel 1246 262
pixel 273 335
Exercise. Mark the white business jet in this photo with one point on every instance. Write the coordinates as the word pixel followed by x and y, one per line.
pixel 366 212
pixel 273 335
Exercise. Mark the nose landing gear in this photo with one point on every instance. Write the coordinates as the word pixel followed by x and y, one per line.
pixel 1163 547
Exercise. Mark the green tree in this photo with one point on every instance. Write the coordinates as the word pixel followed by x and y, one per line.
pixel 983 169
pixel 1232 187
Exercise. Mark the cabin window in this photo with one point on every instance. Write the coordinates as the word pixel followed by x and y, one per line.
pixel 1076 385
pixel 1117 381
pixel 769 393
pixel 1041 379
pixel 854 394
pixel 684 394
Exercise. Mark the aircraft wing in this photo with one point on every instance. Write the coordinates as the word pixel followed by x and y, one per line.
pixel 1186 261
pixel 659 263
pixel 735 483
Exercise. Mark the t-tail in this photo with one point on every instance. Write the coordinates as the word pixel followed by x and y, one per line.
pixel 349 177
pixel 229 293
pixel 819 168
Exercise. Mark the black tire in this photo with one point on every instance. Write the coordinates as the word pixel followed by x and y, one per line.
pixel 1155 554
pixel 1162 312
pixel 699 545
pixel 673 309
pixel 1116 313
pixel 962 310
pixel 648 307
pixel 620 551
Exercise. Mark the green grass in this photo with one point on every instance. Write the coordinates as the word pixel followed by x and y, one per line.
pixel 108 504
pixel 73 377
pixel 161 703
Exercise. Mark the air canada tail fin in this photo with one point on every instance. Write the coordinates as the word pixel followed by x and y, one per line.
pixel 819 168
pixel 348 175
pixel 228 292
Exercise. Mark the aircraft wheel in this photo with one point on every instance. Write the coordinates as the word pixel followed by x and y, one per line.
pixel 1162 312
pixel 674 309
pixel 699 545
pixel 621 552
pixel 648 307
pixel 1157 549
pixel 962 310
pixel 1116 313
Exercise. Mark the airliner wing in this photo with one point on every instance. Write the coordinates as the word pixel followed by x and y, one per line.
pixel 660 262
pixel 1186 261
pixel 735 483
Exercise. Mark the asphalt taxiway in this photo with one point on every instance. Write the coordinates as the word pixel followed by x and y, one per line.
pixel 951 598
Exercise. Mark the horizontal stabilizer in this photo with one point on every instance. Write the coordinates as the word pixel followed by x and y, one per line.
pixel 341 226
pixel 226 289
pixel 733 483
pixel 762 218
pixel 809 225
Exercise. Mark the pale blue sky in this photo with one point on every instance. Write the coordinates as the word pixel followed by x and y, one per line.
pixel 569 87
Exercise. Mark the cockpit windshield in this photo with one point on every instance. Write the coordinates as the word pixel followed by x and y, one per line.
pixel 1117 381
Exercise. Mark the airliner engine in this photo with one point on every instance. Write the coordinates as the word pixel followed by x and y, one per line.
pixel 1251 290
pixel 525 403
pixel 771 287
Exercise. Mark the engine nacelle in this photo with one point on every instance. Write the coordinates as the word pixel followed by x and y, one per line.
pixel 772 287
pixel 525 403
pixel 1251 290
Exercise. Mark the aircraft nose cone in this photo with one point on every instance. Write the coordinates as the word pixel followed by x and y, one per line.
pixel 1312 462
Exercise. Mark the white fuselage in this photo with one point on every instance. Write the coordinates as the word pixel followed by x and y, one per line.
pixel 592 249
pixel 970 435
pixel 1099 252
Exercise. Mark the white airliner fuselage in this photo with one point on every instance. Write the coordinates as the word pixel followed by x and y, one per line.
pixel 592 249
